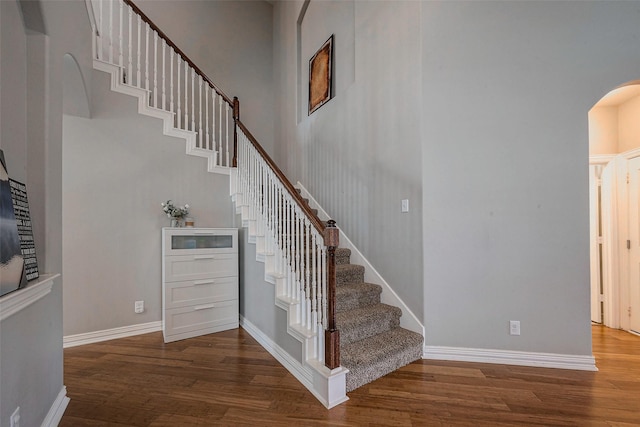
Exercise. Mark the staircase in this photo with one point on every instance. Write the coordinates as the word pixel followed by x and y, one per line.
pixel 291 239
pixel 372 343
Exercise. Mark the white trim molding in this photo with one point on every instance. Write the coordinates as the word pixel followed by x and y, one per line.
pixel 508 357
pixel 408 320
pixel 22 298
pixel 328 386
pixel 111 334
pixel 54 416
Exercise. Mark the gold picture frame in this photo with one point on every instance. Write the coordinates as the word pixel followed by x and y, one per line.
pixel 320 76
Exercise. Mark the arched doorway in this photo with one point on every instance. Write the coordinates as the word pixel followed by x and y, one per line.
pixel 614 186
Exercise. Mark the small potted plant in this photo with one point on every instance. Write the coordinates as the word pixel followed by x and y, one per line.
pixel 176 213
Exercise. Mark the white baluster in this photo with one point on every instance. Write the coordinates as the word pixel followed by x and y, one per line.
pixel 307 241
pixel 214 145
pixel 179 100
pixel 193 110
pixel 314 280
pixel 186 95
pixel 146 57
pixel 130 41
pixel 227 142
pixel 120 38
pixel 220 126
pixel 139 55
pixel 171 80
pixel 100 35
pixel 111 32
pixel 155 69
pixel 323 284
pixel 207 91
pixel 200 110
pixel 164 74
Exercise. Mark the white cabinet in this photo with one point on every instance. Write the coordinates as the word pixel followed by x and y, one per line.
pixel 199 281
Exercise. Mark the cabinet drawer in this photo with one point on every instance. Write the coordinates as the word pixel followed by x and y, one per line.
pixel 194 292
pixel 198 267
pixel 205 318
pixel 194 241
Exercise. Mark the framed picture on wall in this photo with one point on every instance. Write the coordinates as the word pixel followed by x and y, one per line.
pixel 25 232
pixel 320 76
pixel 12 273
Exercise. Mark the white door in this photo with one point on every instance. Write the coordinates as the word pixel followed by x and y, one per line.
pixel 595 242
pixel 634 245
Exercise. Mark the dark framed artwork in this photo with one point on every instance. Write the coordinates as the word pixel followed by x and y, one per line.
pixel 320 76
pixel 25 232
pixel 12 273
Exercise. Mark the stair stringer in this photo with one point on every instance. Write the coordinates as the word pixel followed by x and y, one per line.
pixel 408 320
pixel 328 386
pixel 167 117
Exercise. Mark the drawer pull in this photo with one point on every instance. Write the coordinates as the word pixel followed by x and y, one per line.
pixel 204 282
pixel 204 307
pixel 202 257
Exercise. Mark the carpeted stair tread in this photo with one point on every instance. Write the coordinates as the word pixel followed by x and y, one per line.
pixel 374 357
pixel 356 295
pixel 343 256
pixel 365 322
pixel 349 273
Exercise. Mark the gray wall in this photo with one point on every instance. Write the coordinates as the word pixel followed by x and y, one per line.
pixel 359 154
pixel 117 168
pixel 257 300
pixel 506 92
pixel 477 113
pixel 31 119
pixel 230 41
pixel 150 168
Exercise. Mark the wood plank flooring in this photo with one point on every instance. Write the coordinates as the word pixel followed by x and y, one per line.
pixel 227 379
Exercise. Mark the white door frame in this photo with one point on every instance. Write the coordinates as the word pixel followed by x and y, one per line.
pixel 610 250
pixel 615 230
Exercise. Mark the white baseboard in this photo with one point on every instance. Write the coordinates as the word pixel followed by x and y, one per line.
pixel 54 416
pixel 327 386
pixel 110 334
pixel 506 357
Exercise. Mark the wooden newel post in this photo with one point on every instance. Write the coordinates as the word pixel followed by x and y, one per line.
pixel 236 117
pixel 331 334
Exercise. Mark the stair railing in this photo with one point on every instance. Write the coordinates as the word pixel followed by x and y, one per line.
pixel 149 60
pixel 303 247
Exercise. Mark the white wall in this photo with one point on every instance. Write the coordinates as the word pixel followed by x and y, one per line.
pixel 615 129
pixel 117 169
pixel 603 130
pixel 629 125
pixel 505 177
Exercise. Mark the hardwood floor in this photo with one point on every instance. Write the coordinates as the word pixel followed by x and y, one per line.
pixel 228 379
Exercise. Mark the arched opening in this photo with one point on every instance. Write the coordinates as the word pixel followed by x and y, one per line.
pixel 614 186
pixel 75 100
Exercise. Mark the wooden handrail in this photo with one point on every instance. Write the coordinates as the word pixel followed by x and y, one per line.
pixel 317 223
pixel 179 51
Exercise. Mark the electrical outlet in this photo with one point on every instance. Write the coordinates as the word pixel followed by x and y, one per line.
pixel 15 418
pixel 514 327
pixel 405 205
pixel 138 307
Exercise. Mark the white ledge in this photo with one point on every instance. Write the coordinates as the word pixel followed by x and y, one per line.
pixel 15 301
